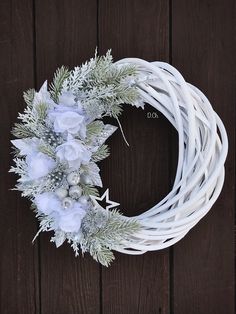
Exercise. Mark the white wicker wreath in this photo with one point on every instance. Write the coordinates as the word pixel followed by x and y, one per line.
pixel 61 138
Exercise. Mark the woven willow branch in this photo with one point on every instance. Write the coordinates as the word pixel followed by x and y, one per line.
pixel 203 147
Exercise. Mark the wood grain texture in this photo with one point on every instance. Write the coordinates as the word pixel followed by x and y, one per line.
pixel 137 176
pixel 18 262
pixel 66 34
pixel 204 51
pixel 196 276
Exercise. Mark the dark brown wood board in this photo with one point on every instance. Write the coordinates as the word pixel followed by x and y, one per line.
pixel 19 289
pixel 197 274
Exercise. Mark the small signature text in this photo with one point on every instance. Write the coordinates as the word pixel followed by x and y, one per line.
pixel 152 115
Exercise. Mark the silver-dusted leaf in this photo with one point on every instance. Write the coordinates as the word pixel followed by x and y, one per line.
pixel 106 132
pixel 92 171
pixel 59 238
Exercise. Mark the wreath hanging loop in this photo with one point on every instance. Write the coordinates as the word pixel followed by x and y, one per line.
pixel 61 138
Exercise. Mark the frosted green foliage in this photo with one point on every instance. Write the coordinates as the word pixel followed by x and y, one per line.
pixel 29 96
pixel 21 131
pixel 47 150
pixel 101 254
pixel 60 76
pixel 20 167
pixel 89 190
pixel 102 86
pixel 41 112
pixel 32 121
pixel 101 153
pixel 99 84
pixel 103 231
pixel 94 128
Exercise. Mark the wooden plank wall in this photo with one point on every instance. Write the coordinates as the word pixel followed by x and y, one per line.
pixel 196 275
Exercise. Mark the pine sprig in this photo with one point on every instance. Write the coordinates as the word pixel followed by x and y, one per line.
pixel 122 72
pixel 117 227
pixel 115 111
pixel 21 131
pixel 103 231
pixel 32 120
pixel 102 86
pixel 20 167
pixel 41 111
pixel 56 86
pixel 79 77
pixel 101 153
pixel 29 96
pixel 104 256
pixel 47 150
pixel 94 128
pixel 89 190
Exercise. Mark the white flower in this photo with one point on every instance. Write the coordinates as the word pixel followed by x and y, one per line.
pixel 70 219
pixel 73 152
pixel 39 165
pixel 47 203
pixel 70 121
pixel 67 220
pixel 66 119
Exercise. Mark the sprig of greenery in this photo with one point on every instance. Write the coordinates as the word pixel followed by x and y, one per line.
pixel 89 190
pixel 47 150
pixel 59 78
pixel 101 153
pixel 29 96
pixel 94 128
pixel 20 167
pixel 102 255
pixel 105 230
pixel 21 131
pixel 102 86
pixel 41 111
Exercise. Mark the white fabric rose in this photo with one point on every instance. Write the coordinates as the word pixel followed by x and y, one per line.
pixel 66 119
pixel 67 220
pixel 47 203
pixel 39 165
pixel 73 152
pixel 70 219
pixel 72 122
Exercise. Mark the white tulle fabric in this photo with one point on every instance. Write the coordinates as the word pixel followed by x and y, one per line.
pixel 203 147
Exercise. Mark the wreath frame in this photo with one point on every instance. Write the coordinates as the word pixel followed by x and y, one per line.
pixel 199 179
